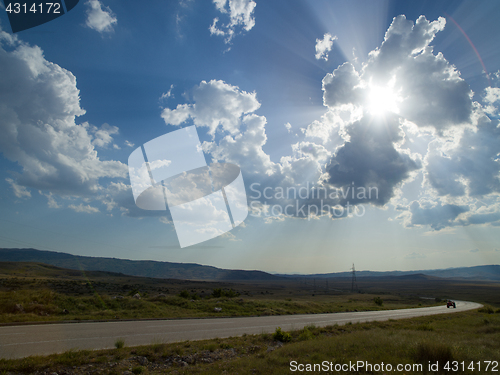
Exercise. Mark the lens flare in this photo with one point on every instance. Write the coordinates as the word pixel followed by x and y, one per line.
pixel 382 99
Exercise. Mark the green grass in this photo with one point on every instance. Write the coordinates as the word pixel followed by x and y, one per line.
pixel 469 336
pixel 28 305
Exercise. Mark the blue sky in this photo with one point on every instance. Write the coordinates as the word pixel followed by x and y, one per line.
pixel 386 95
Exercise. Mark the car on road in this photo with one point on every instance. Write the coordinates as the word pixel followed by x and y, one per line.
pixel 451 303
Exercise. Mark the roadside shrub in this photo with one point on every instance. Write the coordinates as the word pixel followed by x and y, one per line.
pixel 184 294
pixel 279 335
pixel 437 299
pixel 486 309
pixel 137 370
pixel 178 350
pixel 217 293
pixel 305 335
pixel 71 356
pixel 425 327
pixel 378 301
pixel 212 347
pixel 231 293
pixel 119 344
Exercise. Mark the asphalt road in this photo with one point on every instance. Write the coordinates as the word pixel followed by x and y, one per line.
pixel 43 339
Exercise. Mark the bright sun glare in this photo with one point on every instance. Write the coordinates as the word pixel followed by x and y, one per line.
pixel 382 100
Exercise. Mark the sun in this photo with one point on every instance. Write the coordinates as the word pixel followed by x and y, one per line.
pixel 382 99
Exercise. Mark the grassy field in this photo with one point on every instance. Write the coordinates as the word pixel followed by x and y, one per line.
pixel 469 337
pixel 45 305
pixel 31 292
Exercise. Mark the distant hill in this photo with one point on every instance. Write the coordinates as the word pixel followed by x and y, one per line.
pixel 42 270
pixel 491 273
pixel 193 271
pixel 144 268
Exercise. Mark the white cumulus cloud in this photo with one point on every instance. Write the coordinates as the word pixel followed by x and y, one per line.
pixel 103 136
pixel 19 191
pixel 324 46
pixel 84 208
pixel 99 17
pixel 39 132
pixel 216 103
pixel 240 14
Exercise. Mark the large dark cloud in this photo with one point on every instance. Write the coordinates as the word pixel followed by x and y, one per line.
pixel 462 161
pixel 370 160
pixel 437 216
pixel 429 92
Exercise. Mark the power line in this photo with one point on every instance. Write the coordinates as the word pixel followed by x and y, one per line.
pixel 354 283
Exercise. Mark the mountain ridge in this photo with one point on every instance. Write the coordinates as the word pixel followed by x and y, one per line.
pixel 485 272
pixel 194 271
pixel 143 268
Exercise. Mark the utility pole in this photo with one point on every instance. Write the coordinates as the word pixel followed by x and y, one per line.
pixel 354 284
